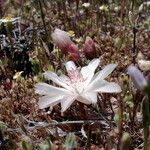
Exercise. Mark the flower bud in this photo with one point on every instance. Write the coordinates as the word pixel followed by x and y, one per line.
pixel 89 48
pixel 2 2
pixel 61 39
pixel 137 77
pixel 73 52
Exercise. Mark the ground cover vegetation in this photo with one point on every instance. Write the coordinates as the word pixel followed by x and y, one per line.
pixel 74 74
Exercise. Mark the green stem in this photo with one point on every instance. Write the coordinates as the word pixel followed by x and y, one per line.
pixel 146 118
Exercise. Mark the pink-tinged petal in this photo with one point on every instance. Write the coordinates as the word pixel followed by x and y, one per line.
pixel 46 89
pixel 104 72
pixel 90 96
pixel 88 71
pixel 53 76
pixel 46 101
pixel 66 102
pixel 104 87
pixel 70 65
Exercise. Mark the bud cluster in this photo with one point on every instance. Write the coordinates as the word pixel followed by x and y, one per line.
pixel 70 49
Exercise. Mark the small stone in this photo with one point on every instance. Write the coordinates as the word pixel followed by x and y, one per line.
pixel 140 56
pixel 144 65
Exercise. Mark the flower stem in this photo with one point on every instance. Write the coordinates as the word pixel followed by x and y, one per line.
pixel 146 118
pixel 43 19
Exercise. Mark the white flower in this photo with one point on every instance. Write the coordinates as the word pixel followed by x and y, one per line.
pixel 86 5
pixel 80 84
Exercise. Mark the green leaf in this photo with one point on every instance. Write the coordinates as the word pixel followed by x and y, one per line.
pixel 2 125
pixel 45 145
pixel 26 145
pixel 117 118
pixel 125 141
pixel 146 122
pixel 50 67
pixel 9 27
pixel 70 142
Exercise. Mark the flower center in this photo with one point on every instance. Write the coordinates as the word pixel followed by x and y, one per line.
pixel 76 80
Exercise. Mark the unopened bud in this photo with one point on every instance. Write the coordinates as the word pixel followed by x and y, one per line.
pixel 137 77
pixel 73 52
pixel 89 48
pixel 61 39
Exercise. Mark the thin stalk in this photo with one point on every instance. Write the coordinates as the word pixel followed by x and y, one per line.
pixel 120 124
pixel 146 118
pixel 42 125
pixel 43 19
pixel 89 138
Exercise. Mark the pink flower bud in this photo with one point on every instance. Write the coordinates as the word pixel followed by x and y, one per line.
pixel 89 48
pixel 2 2
pixel 73 52
pixel 61 39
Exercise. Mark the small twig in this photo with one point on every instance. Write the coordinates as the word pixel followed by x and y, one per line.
pixel 42 125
